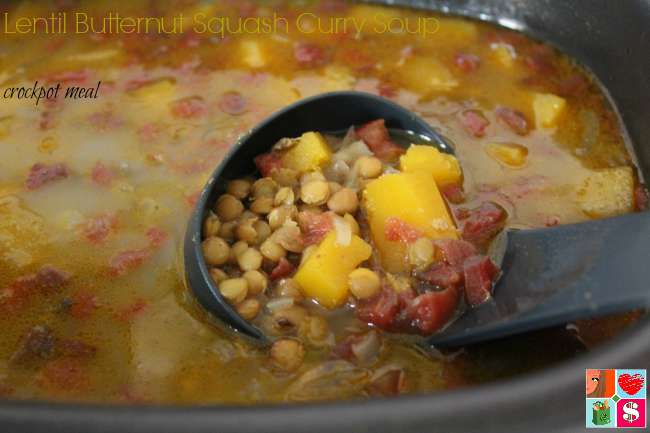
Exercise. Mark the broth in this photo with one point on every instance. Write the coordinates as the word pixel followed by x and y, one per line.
pixel 95 194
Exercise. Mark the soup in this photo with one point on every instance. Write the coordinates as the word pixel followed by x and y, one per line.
pixel 95 191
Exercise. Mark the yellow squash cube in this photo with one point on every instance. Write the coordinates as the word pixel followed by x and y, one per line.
pixel 444 167
pixel 607 192
pixel 426 75
pixel 547 108
pixel 324 275
pixel 309 154
pixel 412 198
pixel 509 154
pixel 252 53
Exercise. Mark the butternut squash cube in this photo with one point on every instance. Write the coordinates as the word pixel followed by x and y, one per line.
pixel 252 53
pixel 509 154
pixel 310 153
pixel 607 192
pixel 547 108
pixel 412 199
pixel 444 167
pixel 426 75
pixel 324 275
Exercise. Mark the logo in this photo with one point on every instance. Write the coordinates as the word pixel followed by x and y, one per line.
pixel 615 398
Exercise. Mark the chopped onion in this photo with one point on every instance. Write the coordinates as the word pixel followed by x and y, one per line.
pixel 367 348
pixel 343 231
pixel 278 304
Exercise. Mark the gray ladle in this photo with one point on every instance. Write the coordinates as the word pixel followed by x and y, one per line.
pixel 550 276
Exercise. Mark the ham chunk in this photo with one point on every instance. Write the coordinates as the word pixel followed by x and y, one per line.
pixel 43 174
pixel 376 137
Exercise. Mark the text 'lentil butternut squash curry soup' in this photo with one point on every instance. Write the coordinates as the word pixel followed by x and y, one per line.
pixel 337 247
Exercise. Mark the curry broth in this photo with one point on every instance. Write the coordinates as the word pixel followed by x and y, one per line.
pixel 137 156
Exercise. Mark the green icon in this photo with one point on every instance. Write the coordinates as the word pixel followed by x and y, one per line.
pixel 601 414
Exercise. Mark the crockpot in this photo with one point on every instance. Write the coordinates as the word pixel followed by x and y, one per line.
pixel 609 37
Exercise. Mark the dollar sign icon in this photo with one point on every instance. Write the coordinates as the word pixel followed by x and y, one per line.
pixel 630 412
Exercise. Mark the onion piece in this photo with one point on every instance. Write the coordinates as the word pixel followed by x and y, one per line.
pixel 280 303
pixel 366 350
pixel 343 231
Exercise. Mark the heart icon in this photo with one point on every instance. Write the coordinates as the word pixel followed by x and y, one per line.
pixel 631 384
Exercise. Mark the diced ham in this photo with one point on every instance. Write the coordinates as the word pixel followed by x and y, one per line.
pixel 97 229
pixel 484 223
pixel 38 343
pixel 442 275
pixel 315 226
pixel 188 108
pixel 475 122
pixel 467 62
pixel 42 174
pixel 283 269
pixel 105 120
pixel 453 192
pixel 573 85
pixel 69 77
pixel 540 60
pixel 455 251
pixel 431 311
pixel 397 230
pixel 120 264
pixel 64 374
pixel 266 163
pixel 156 237
pixel 83 305
pixel 479 277
pixel 309 55
pixel 102 175
pixel 514 119
pixel 49 279
pixel 376 137
pixel 381 310
pixel 233 103
pixel 641 197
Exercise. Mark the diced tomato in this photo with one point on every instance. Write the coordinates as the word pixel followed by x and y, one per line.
pixel 233 103
pixel 397 230
pixel 131 311
pixel 381 310
pixel 432 310
pixel 442 275
pixel 149 131
pixel 376 137
pixel 641 197
pixel 484 223
pixel 102 175
pixel 97 229
pixel 187 108
pixel 455 251
pixel 156 237
pixel 514 119
pixel 83 304
pixel 467 62
pixel 315 226
pixel 387 90
pixel 479 277
pixel 309 55
pixel 475 122
pixel 266 163
pixel 283 269
pixel 42 174
pixel 120 264
pixel 64 374
pixel 453 192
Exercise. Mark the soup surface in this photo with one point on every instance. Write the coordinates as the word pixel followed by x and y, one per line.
pixel 95 193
